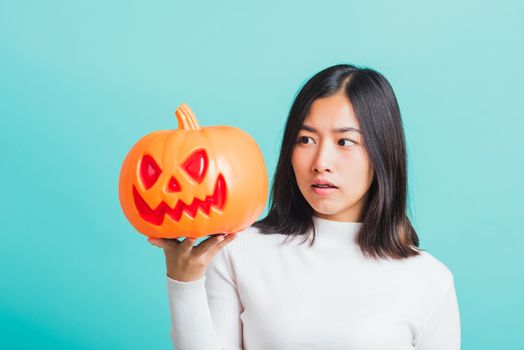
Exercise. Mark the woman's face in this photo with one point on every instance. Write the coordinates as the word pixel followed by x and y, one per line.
pixel 330 149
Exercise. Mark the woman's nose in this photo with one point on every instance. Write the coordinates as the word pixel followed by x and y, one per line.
pixel 323 160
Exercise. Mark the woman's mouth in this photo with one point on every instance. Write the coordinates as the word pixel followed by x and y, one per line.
pixel 323 188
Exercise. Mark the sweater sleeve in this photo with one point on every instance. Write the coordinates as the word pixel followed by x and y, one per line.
pixel 442 330
pixel 205 314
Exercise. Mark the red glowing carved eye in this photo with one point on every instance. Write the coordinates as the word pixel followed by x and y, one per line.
pixel 149 171
pixel 196 165
pixel 173 185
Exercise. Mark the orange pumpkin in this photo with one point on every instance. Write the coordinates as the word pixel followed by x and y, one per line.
pixel 192 181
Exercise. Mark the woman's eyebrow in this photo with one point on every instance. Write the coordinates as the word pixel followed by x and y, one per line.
pixel 344 129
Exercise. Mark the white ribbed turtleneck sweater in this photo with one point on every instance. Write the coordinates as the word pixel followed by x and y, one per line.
pixel 260 294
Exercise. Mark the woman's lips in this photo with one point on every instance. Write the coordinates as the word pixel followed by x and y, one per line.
pixel 323 191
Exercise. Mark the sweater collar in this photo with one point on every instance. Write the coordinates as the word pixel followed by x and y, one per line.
pixel 340 231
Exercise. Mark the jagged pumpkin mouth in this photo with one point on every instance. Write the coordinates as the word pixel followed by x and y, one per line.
pixel 156 216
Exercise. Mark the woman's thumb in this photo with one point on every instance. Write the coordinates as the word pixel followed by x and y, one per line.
pixel 159 242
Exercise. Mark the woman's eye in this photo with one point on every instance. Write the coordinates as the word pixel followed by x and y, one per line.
pixel 304 139
pixel 346 142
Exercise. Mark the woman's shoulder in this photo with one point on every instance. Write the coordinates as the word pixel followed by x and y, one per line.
pixel 253 235
pixel 251 240
pixel 426 268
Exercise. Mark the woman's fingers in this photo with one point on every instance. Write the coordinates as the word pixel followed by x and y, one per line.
pixel 156 242
pixel 213 243
pixel 186 262
pixel 227 239
pixel 218 243
pixel 209 243
pixel 187 244
pixel 163 243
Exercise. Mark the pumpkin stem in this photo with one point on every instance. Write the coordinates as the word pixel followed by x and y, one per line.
pixel 186 118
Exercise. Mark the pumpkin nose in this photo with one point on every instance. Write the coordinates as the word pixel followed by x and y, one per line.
pixel 173 185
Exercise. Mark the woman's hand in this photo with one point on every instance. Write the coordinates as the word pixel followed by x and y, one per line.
pixel 186 262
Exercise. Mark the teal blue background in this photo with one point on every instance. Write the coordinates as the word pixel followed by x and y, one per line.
pixel 81 81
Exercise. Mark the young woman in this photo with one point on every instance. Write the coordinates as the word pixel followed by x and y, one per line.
pixel 361 282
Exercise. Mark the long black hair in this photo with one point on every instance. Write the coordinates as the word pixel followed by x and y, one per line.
pixel 386 231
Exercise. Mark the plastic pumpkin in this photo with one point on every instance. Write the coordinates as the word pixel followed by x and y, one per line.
pixel 193 181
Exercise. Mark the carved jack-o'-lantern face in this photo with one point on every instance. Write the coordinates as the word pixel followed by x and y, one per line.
pixel 195 166
pixel 193 181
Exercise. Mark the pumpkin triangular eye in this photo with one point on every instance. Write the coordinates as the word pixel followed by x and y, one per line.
pixel 196 165
pixel 149 171
pixel 173 185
